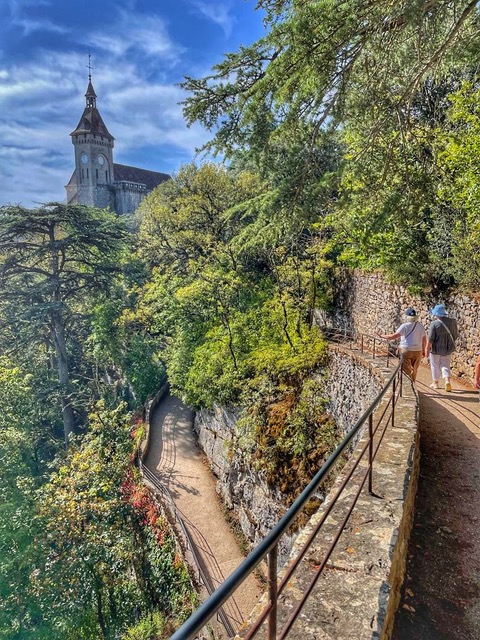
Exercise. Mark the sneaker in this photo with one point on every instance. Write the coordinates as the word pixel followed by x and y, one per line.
pixel 434 385
pixel 448 386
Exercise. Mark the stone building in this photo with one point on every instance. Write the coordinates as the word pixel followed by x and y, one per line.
pixel 98 181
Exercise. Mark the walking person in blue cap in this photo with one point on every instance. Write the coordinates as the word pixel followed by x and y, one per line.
pixel 442 334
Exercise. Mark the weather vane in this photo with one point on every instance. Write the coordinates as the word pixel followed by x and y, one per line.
pixel 89 66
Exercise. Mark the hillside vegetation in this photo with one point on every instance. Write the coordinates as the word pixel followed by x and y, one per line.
pixel 349 137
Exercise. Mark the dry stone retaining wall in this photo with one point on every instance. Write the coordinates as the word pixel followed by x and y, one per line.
pixel 365 302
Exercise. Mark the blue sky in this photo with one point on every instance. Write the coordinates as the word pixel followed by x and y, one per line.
pixel 141 50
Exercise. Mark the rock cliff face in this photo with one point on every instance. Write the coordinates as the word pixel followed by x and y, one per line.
pixel 365 302
pixel 350 386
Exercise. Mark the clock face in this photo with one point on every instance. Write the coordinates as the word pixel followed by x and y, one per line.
pixel 101 160
pixel 84 158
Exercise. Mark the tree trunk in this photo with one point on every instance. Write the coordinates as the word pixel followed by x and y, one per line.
pixel 58 337
pixel 100 617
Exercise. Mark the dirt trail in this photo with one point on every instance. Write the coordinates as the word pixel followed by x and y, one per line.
pixel 178 462
pixel 441 595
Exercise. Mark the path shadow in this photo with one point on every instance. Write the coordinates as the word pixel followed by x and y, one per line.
pixel 170 428
pixel 441 594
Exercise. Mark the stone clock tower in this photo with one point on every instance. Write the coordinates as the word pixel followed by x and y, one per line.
pixel 96 181
pixel 93 146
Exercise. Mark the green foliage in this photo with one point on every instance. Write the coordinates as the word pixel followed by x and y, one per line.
pixel 286 431
pixel 110 553
pixel 224 295
pixel 278 359
pixel 420 225
pixel 350 99
pixel 119 341
pixel 53 259
pixel 314 54
pixel 22 447
pixel 385 224
pixel 238 267
pixel 458 157
pixel 151 627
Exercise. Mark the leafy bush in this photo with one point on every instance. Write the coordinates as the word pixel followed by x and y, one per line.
pixel 144 371
pixel 151 627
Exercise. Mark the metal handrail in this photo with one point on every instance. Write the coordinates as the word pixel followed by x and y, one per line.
pixel 268 547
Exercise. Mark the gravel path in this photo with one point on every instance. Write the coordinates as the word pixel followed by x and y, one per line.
pixel 177 461
pixel 441 596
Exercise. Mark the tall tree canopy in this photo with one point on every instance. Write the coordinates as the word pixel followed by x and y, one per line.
pixel 316 55
pixel 378 74
pixel 52 259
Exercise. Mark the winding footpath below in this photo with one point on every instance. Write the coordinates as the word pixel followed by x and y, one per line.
pixel 175 458
pixel 441 594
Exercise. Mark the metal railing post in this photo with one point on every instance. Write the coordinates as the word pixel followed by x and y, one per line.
pixel 370 454
pixel 272 593
pixel 401 375
pixel 393 402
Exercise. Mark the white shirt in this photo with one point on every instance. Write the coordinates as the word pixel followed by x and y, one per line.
pixel 412 334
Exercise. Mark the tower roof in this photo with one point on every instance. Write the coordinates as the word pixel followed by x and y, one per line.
pixel 91 120
pixel 90 90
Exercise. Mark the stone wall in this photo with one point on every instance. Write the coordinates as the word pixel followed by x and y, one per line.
pixel 365 303
pixel 128 196
pixel 351 385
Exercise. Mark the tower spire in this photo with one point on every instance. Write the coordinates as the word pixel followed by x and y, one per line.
pixel 91 96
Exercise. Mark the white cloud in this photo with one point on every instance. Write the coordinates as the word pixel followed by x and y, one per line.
pixel 17 17
pixel 150 114
pixel 144 33
pixel 26 177
pixel 217 12
pixel 29 26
